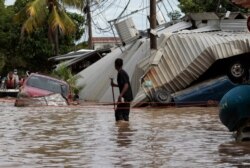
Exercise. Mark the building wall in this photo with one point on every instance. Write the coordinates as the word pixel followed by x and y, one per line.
pixel 200 23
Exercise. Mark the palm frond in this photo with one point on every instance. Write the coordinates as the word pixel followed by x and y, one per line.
pixel 36 7
pixel 59 19
pixel 68 22
pixel 28 26
pixel 55 20
pixel 32 16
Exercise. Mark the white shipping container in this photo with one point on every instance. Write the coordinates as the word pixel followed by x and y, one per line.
pixel 127 30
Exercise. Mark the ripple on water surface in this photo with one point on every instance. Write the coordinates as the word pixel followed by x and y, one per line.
pixel 87 136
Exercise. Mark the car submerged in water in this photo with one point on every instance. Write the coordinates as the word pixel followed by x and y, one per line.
pixel 40 89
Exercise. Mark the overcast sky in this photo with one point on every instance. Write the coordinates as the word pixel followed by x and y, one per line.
pixel 9 2
pixel 111 9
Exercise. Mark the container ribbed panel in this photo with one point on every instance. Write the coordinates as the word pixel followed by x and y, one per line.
pixel 187 56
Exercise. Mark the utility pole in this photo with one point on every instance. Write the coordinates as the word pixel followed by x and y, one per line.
pixel 153 41
pixel 90 41
pixel 218 7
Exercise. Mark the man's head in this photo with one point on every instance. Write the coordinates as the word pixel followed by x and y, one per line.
pixel 118 64
pixel 15 71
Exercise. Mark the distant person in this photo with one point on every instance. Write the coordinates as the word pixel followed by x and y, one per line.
pixel 10 81
pixel 27 73
pixel 123 107
pixel 21 80
pixel 16 78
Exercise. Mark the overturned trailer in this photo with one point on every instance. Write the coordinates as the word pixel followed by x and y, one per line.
pixel 183 58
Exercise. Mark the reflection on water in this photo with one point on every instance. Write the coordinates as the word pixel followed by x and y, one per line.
pixel 124 134
pixel 87 136
pixel 235 153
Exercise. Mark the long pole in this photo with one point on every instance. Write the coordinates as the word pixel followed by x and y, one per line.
pixel 90 40
pixel 113 94
pixel 153 41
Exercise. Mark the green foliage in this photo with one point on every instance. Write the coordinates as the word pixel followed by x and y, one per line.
pixel 81 45
pixel 174 15
pixel 67 42
pixel 65 74
pixel 2 62
pixel 20 4
pixel 53 14
pixel 192 6
pixel 79 21
pixel 32 52
pixel 188 6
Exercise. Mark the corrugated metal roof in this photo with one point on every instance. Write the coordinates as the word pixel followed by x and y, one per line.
pixel 203 16
pixel 79 57
pixel 206 29
pixel 186 56
pixel 239 25
pixel 71 55
pixel 176 27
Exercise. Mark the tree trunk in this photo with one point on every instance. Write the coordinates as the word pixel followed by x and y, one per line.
pixel 56 41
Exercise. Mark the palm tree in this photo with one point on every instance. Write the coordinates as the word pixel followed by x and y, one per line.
pixel 37 13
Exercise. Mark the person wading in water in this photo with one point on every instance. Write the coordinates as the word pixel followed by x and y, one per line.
pixel 123 107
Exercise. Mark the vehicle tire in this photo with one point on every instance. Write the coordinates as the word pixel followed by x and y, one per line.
pixel 162 96
pixel 238 72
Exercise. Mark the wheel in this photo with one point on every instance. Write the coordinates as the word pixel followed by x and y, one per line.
pixel 162 96
pixel 237 72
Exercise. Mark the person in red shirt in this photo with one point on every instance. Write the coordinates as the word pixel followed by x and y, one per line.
pixel 10 81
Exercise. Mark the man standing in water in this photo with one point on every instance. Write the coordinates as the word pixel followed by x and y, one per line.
pixel 123 106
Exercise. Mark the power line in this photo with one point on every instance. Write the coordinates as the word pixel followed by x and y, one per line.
pixel 100 19
pixel 106 8
pixel 124 9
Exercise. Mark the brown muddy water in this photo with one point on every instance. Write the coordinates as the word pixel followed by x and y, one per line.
pixel 87 136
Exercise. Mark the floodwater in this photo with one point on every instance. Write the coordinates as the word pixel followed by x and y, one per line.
pixel 87 136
